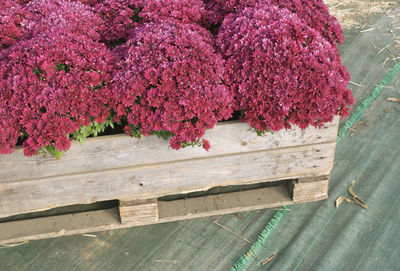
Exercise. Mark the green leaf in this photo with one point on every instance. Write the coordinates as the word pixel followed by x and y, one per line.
pixel 51 150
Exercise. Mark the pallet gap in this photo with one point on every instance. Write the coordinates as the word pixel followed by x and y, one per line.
pixel 225 189
pixel 64 210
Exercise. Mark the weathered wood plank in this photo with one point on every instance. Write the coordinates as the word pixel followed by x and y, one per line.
pixel 122 151
pixel 310 189
pixel 153 181
pixel 62 225
pixel 70 224
pixel 140 211
pixel 220 204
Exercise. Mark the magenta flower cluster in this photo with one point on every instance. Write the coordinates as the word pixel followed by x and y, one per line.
pixel 171 80
pixel 280 70
pixel 165 67
pixel 12 29
pixel 314 13
pixel 50 94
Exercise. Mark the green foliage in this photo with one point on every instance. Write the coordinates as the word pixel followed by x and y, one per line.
pixel 94 129
pixel 197 143
pixel 24 135
pixel 135 16
pixel 162 134
pixel 51 150
pixel 39 73
pixel 97 87
pixel 135 131
pixel 261 132
pixel 63 67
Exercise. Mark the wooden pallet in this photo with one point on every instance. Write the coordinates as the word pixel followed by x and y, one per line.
pixel 140 173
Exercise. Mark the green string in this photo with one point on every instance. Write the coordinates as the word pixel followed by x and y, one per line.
pixel 256 247
pixel 342 132
pixel 367 103
pixel 370 159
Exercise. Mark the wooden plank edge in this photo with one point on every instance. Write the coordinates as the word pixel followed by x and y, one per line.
pixel 43 194
pixel 333 124
pixel 173 162
pixel 127 154
pixel 101 220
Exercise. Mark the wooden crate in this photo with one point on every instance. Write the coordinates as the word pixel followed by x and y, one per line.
pixel 139 173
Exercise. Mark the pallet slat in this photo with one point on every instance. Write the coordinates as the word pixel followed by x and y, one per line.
pixel 123 151
pixel 140 211
pixel 168 211
pixel 310 189
pixel 140 173
pixel 154 181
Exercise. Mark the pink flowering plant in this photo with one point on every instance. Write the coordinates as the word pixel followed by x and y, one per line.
pixel 51 85
pixel 283 72
pixel 171 82
pixel 314 13
pixel 171 68
pixel 55 15
pixel 12 28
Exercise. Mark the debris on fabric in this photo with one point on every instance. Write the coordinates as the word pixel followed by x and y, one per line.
pixel 354 198
pixel 269 259
pixel 394 99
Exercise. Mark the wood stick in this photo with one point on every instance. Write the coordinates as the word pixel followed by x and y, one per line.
pixel 225 228
pixel 269 259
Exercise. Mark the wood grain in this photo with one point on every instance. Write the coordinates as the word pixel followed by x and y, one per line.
pixel 156 180
pixel 100 220
pixel 140 211
pixel 310 189
pixel 119 151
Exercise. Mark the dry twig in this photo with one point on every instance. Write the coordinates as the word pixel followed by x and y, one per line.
pixel 394 99
pixel 167 261
pixel 354 198
pixel 354 128
pixel 356 84
pixel 225 228
pixel 269 259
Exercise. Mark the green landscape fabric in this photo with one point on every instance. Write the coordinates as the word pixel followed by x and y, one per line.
pixel 256 247
pixel 367 103
pixel 342 132
pixel 313 236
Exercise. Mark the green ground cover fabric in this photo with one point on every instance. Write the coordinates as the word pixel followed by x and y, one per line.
pixel 314 236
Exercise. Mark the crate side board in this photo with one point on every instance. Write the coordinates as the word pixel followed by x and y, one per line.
pixel 119 151
pixel 109 219
pixel 156 180
pixel 152 211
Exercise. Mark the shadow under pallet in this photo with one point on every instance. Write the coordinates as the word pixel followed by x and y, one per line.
pixel 140 182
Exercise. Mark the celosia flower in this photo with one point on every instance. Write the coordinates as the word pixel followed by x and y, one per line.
pixel 281 71
pixel 171 80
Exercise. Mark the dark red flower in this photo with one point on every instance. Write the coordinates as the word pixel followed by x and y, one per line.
pixel 313 12
pixel 171 81
pixel 280 70
pixel 50 85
